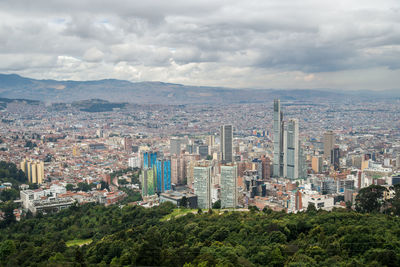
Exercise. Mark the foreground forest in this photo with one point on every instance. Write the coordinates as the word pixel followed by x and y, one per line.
pixel 134 235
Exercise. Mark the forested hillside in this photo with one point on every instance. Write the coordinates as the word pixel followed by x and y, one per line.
pixel 137 236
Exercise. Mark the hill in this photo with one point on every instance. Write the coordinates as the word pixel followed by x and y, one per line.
pixel 96 235
pixel 15 86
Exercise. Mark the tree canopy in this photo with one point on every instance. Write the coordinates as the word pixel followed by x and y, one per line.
pixel 134 235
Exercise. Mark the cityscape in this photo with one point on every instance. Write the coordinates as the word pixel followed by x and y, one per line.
pixel 166 153
pixel 199 134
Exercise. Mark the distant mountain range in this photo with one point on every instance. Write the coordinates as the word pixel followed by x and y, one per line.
pixel 51 91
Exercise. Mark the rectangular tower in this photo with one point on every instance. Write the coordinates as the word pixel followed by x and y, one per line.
pixel 202 186
pixel 278 140
pixel 292 150
pixel 335 158
pixel 329 143
pixel 229 186
pixel 226 143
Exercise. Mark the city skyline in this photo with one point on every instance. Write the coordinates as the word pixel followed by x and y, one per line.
pixel 200 133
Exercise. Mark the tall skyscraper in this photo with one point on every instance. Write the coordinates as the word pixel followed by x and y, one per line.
pixel 329 143
pixel 227 143
pixel 148 182
pixel 229 196
pixel 292 150
pixel 175 169
pixel 335 157
pixel 278 140
pixel 163 175
pixel 149 159
pixel 202 186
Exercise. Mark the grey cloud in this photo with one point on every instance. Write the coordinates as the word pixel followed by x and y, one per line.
pixel 190 40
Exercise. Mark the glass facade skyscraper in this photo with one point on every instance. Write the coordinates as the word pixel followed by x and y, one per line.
pixel 149 159
pixel 163 174
pixel 227 143
pixel 278 140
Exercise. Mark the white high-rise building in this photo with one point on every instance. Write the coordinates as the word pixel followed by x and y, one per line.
pixel 202 186
pixel 229 195
pixel 134 162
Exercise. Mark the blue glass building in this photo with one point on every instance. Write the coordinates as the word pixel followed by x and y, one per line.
pixel 149 159
pixel 163 175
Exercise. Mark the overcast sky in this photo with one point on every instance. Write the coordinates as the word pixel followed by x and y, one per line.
pixel 344 44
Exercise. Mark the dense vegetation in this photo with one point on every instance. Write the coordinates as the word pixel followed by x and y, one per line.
pixel 133 235
pixel 92 235
pixel 10 173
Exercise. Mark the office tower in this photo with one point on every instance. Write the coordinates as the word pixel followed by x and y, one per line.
pixel 149 159
pixel 227 143
pixel 292 150
pixel 229 194
pixel 148 182
pixel 175 169
pixel 335 157
pixel 33 170
pixel 316 164
pixel 182 177
pixel 202 186
pixel 175 146
pixel 167 175
pixel 398 161
pixel 163 175
pixel 302 163
pixel 329 143
pixel 202 151
pixel 278 140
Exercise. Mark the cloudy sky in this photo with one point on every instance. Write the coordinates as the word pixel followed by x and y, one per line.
pixel 250 44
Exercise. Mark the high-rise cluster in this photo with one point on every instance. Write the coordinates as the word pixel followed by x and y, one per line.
pixel 288 159
pixel 156 176
pixel 34 170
